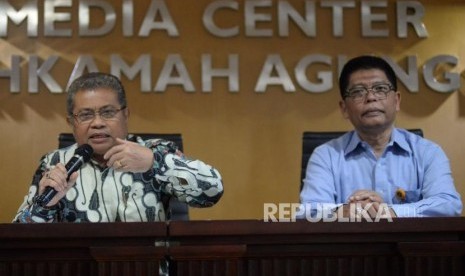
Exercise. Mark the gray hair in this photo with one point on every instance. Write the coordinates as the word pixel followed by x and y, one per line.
pixel 92 81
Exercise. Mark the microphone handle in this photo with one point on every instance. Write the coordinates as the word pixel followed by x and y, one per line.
pixel 73 165
pixel 45 197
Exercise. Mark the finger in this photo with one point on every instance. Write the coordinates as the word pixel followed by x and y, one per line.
pixel 57 176
pixel 355 210
pixel 57 185
pixel 112 151
pixel 42 183
pixel 116 161
pixel 372 209
pixel 117 153
pixel 120 165
pixel 357 198
pixel 376 198
pixel 362 191
pixel 120 141
pixel 366 195
pixel 59 173
pixel 72 179
pixel 118 147
pixel 61 188
pixel 375 206
pixel 344 210
pixel 60 167
pixel 117 164
pixel 355 195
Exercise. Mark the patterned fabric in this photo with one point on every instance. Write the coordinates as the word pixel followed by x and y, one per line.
pixel 106 195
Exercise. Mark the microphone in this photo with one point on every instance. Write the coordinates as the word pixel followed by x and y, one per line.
pixel 81 155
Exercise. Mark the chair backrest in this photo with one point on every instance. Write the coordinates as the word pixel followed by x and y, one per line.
pixel 312 139
pixel 175 210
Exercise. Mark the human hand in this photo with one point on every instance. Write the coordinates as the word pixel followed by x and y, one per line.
pixel 365 195
pixel 128 156
pixel 375 209
pixel 56 179
pixel 365 209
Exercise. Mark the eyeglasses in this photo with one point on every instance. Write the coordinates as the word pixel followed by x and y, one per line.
pixel 359 93
pixel 106 113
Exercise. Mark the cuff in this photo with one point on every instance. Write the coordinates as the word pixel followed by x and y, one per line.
pixel 37 213
pixel 405 210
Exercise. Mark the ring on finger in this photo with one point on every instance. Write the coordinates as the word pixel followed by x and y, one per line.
pixel 119 164
pixel 49 177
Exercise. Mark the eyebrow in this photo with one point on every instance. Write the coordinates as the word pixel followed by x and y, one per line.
pixel 373 83
pixel 103 107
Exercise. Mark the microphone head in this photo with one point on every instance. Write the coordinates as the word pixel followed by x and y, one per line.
pixel 85 151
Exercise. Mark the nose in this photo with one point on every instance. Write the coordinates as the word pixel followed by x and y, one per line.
pixel 97 121
pixel 370 96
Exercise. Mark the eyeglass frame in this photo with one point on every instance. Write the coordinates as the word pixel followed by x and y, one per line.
pixel 380 95
pixel 97 112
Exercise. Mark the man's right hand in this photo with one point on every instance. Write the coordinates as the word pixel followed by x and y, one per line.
pixel 56 178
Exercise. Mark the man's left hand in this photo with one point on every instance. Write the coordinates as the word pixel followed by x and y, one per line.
pixel 128 156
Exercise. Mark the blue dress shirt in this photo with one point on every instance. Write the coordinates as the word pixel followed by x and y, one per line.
pixel 413 175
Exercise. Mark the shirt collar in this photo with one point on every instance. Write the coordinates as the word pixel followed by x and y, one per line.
pixel 397 139
pixel 353 142
pixel 400 139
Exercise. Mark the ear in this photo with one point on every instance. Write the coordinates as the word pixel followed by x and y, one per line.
pixel 398 101
pixel 127 112
pixel 71 122
pixel 343 108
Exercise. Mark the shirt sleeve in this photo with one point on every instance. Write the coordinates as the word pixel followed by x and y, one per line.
pixel 191 181
pixel 318 193
pixel 30 213
pixel 437 193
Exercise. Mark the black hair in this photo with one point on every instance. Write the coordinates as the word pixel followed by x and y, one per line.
pixel 365 63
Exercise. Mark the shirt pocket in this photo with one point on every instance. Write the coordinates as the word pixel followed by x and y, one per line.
pixel 402 196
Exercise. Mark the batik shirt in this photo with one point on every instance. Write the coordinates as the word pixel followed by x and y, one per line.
pixel 102 194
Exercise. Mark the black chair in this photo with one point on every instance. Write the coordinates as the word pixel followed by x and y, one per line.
pixel 312 139
pixel 175 210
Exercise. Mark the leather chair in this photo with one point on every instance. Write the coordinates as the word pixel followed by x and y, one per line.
pixel 312 139
pixel 175 210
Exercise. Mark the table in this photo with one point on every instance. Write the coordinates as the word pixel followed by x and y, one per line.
pixel 82 249
pixel 406 246
pixel 413 246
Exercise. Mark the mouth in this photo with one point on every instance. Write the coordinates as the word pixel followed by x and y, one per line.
pixel 99 137
pixel 372 112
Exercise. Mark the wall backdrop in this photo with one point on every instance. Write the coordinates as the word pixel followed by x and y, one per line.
pixel 241 80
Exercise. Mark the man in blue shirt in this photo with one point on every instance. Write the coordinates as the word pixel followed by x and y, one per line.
pixel 377 165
